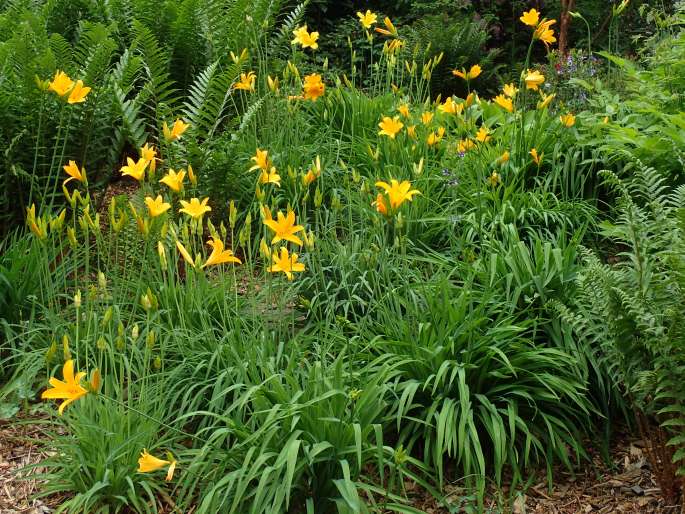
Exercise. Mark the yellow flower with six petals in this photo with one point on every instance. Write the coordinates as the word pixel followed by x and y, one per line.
pixel 284 228
pixel 390 126
pixel 61 83
pixel 157 206
pixel 135 169
pixel 219 255
pixel 367 19
pixel 148 463
pixel 286 263
pixel 176 131
pixel 195 208
pixel 305 38
pixel 69 389
pixel 398 192
pixel 173 180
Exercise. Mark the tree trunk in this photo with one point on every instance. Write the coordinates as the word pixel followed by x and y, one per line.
pixel 564 22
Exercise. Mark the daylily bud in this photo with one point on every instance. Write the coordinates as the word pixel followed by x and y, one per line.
pixel 107 317
pixel 259 193
pixel 71 236
pixel 273 84
pixel 157 362
pixel 309 240
pixel 212 229
pixel 94 382
pixel 161 251
pixel 232 214
pixel 264 249
pixel 149 301
pixel 101 343
pixel 150 339
pixel 191 175
pixel 52 351
pixel 43 85
pixel 399 223
pixel 65 347
pixel 335 202
pixel 222 230
pixel 120 343
pixel 77 299
pixel 135 332
pixel 57 222
pixel 120 329
pixel 318 198
pixel 418 168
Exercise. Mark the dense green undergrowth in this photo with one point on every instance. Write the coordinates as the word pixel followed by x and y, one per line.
pixel 471 295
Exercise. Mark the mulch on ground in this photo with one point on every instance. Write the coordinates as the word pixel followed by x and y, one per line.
pixel 625 485
pixel 18 486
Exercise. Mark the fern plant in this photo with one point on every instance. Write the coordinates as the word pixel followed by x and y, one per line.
pixel 635 310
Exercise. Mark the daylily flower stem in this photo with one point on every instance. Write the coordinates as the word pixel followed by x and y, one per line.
pixel 35 153
pixel 54 153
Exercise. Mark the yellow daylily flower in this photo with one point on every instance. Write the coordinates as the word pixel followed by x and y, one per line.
pixel 261 160
pixel 510 90
pixel 404 110
pixel 468 75
pixel 367 19
pixel 504 157
pixel 482 134
pixel 567 120
pixel 546 99
pixel 195 208
pixel 270 177
pixel 176 131
pixel 135 169
pixel 534 79
pixel 61 83
pixel 74 172
pixel 149 153
pixel 286 263
pixel 451 107
pixel 530 18
pixel 148 463
pixel 313 87
pixel 390 126
pixel 173 180
pixel 157 206
pixel 284 228
pixel 246 82
pixel 380 204
pixel 465 145
pixel 389 29
pixel 537 159
pixel 504 102
pixel 494 179
pixel 435 137
pixel 219 255
pixel 411 130
pixel 398 192
pixel 305 38
pixel 69 389
pixel 313 173
pixel 426 117
pixel 544 33
pixel 78 93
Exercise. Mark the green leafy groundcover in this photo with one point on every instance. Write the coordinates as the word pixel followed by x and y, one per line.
pixel 252 281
